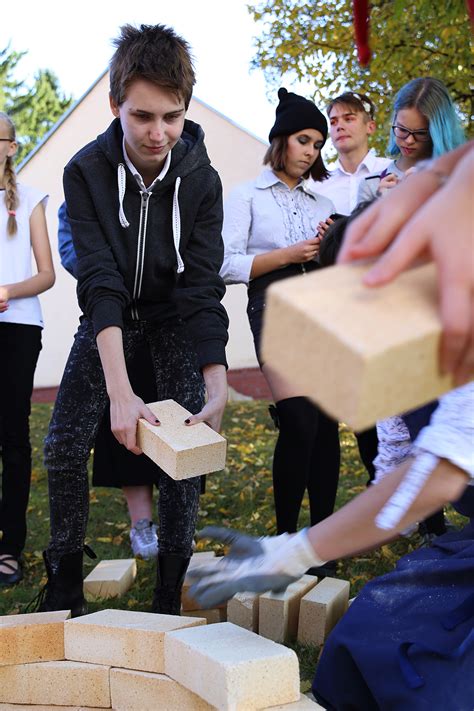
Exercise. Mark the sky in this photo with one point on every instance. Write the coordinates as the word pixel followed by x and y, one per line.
pixel 73 39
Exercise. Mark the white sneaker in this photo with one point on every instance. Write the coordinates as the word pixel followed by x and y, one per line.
pixel 144 539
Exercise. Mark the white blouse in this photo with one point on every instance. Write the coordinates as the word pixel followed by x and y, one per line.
pixel 15 256
pixel 265 214
pixel 449 435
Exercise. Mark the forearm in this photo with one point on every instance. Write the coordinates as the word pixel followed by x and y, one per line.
pixel 126 408
pixel 215 379
pixel 269 261
pixel 110 346
pixel 31 287
pixel 352 529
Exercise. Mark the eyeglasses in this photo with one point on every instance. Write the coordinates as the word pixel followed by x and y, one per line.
pixel 423 135
pixel 9 140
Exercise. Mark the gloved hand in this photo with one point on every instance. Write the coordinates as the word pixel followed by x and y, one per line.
pixel 242 545
pixel 253 565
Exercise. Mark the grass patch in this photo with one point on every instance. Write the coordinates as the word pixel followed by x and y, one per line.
pixel 240 496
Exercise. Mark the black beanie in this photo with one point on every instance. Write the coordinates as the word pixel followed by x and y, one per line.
pixel 295 113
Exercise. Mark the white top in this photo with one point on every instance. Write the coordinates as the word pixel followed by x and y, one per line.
pixel 394 446
pixel 15 256
pixel 342 187
pixel 136 173
pixel 265 214
pixel 368 188
pixel 449 435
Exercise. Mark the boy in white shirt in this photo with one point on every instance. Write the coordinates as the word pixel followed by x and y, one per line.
pixel 351 123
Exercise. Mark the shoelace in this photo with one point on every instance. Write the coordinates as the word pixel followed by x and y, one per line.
pixel 35 603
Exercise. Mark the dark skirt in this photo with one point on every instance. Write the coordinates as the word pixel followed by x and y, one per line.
pixel 256 297
pixel 113 464
pixel 407 641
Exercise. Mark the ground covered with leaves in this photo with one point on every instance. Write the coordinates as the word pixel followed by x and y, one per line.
pixel 240 496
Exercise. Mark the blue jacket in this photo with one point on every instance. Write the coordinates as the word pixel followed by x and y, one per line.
pixel 65 245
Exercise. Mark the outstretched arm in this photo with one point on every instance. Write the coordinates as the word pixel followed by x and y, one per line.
pixel 352 529
pixel 438 473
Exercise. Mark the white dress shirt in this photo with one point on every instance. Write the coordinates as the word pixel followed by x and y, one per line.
pixel 265 214
pixel 342 187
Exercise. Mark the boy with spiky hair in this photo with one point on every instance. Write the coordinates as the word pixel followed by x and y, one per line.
pixel 145 207
pixel 351 123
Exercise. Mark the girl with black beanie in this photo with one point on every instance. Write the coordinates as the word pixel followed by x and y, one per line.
pixel 270 233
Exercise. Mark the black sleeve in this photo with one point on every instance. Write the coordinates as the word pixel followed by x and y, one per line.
pixel 101 291
pixel 200 288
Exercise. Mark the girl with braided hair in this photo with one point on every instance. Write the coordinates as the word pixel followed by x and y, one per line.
pixel 22 229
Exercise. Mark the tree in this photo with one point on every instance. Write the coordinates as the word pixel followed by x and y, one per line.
pixel 314 42
pixel 33 107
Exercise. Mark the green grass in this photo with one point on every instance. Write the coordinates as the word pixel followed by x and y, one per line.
pixel 240 496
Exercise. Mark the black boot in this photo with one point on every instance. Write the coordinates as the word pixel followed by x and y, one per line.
pixel 64 589
pixel 170 574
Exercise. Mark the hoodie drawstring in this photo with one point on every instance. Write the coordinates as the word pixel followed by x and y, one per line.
pixel 122 182
pixel 176 217
pixel 177 226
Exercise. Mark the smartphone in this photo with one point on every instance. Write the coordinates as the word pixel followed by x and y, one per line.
pixel 336 216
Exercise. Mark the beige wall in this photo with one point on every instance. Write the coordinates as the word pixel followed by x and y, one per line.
pixel 236 154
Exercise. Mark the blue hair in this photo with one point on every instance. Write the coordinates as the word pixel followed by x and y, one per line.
pixel 431 98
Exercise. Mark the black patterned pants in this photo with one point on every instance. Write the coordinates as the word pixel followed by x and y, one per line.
pixel 78 410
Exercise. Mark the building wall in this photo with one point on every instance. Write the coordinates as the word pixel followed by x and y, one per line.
pixel 235 153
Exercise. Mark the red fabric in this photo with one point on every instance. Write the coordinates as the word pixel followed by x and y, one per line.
pixel 361 28
pixel 362 24
pixel 470 9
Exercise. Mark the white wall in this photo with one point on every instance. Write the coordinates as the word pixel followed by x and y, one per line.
pixel 236 154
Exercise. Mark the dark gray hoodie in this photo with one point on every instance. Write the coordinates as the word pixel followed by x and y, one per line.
pixel 149 255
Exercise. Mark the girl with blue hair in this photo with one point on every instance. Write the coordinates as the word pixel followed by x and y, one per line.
pixel 424 125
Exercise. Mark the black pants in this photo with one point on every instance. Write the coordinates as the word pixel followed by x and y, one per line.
pixel 368 442
pixel 307 452
pixel 306 458
pixel 79 408
pixel 20 346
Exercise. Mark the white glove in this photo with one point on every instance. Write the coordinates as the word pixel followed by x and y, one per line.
pixel 253 565
pixel 242 545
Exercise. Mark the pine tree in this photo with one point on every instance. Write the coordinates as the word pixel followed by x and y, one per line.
pixel 34 107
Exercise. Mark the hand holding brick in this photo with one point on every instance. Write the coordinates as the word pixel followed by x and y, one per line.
pixel 362 354
pixel 182 451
